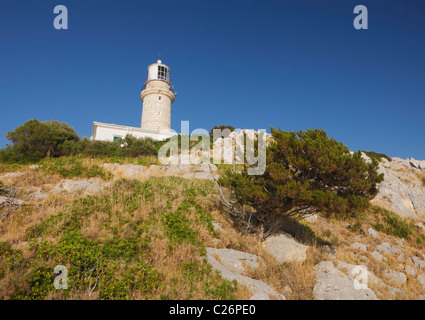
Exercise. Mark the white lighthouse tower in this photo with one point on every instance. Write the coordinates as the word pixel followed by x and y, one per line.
pixel 157 97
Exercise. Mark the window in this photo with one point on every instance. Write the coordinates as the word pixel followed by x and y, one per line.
pixel 163 73
pixel 159 98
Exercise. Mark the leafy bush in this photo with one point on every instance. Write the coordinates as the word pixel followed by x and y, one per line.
pixel 126 147
pixel 306 172
pixel 224 132
pixel 376 156
pixel 222 127
pixel 10 259
pixel 35 140
pixel 178 228
pixel 392 224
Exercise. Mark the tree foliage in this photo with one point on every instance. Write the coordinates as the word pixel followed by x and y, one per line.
pixel 35 140
pixel 222 128
pixel 306 172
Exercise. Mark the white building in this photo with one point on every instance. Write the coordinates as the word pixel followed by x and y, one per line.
pixel 157 96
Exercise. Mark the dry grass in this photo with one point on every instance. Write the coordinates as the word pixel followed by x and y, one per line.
pixel 161 195
pixel 294 280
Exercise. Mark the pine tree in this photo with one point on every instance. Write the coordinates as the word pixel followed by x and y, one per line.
pixel 306 172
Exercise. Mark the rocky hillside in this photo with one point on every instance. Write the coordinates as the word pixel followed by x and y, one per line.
pixel 131 231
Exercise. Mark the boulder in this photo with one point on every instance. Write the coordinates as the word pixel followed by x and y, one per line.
pixel 377 255
pixel 285 248
pixel 154 167
pixel 410 271
pixel 311 217
pixel 188 175
pixel 365 157
pixel 203 175
pixel 386 247
pixel 111 166
pixel 70 186
pixel 130 171
pixel 332 284
pixel 127 171
pixel 402 190
pixel 11 201
pixel 12 174
pixel 235 261
pixel 261 291
pixel 358 245
pixel 205 167
pixel 217 226
pixel 421 279
pixel 372 232
pixel 419 264
pixel 396 276
pixel 176 169
pixel 36 194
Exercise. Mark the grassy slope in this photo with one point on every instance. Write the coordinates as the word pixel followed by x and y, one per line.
pixel 146 240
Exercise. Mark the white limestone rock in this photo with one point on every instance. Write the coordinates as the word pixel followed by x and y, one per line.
pixel 285 248
pixel 12 174
pixel 205 167
pixel 375 254
pixel 261 291
pixel 37 194
pixel 372 232
pixel 333 284
pixel 387 248
pixel 86 186
pixel 396 276
pixel 235 261
pixel 358 245
pixel 421 279
pixel 203 175
pixel 11 201
pixel 402 190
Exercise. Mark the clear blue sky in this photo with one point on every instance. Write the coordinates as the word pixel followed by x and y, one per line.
pixel 251 64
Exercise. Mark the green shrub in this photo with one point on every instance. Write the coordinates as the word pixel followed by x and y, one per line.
pixel 306 172
pixel 178 228
pixel 392 224
pixel 141 278
pixel 221 289
pixel 126 147
pixel 214 287
pixel 377 156
pixel 35 140
pixel 222 128
pixel 10 259
pixel 420 240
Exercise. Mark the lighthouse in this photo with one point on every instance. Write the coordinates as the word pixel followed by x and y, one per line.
pixel 157 97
